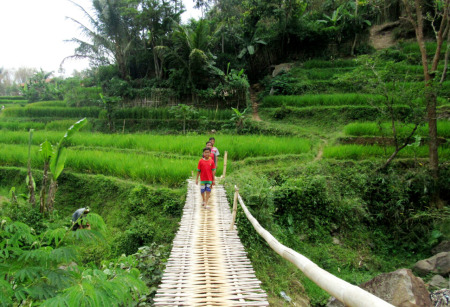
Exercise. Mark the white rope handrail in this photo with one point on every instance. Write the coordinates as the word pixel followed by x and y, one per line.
pixel 345 292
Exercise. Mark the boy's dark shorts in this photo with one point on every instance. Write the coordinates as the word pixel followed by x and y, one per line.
pixel 205 187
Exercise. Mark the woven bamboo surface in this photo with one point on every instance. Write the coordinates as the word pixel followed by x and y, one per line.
pixel 208 265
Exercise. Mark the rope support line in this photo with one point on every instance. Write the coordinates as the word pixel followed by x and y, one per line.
pixel 348 294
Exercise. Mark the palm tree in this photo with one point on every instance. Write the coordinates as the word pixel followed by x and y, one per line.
pixel 109 37
pixel 190 55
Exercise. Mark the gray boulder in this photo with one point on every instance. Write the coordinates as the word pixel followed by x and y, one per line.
pixel 400 288
pixel 438 282
pixel 439 264
pixel 444 246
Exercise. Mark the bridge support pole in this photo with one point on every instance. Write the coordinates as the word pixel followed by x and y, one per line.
pixel 235 201
pixel 225 158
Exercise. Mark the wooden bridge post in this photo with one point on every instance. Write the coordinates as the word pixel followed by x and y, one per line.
pixel 225 164
pixel 235 201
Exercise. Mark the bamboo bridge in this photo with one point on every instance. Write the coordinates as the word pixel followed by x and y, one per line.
pixel 208 265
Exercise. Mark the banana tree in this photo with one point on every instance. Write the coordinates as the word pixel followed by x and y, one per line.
pixel 46 151
pixel 54 161
pixel 333 23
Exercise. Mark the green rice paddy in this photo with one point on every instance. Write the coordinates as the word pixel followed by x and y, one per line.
pixel 385 129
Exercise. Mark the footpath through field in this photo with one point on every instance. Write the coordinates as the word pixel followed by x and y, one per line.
pixel 208 265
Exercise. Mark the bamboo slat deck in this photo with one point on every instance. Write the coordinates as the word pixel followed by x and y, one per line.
pixel 208 265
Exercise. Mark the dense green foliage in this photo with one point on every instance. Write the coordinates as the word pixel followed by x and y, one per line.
pixel 381 220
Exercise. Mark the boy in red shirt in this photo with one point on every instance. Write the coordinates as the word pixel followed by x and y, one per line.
pixel 206 170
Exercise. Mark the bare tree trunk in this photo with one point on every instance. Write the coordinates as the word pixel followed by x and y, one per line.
pixel 352 52
pixel 51 195
pixel 430 92
pixel 32 199
pixel 223 43
pixel 44 186
pixel 432 132
pixel 397 147
pixel 31 186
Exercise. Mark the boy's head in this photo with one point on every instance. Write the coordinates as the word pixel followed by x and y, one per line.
pixel 206 152
pixel 212 140
pixel 209 145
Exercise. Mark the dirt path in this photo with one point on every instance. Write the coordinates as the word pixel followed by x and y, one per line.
pixel 254 100
pixel 320 153
pixel 381 36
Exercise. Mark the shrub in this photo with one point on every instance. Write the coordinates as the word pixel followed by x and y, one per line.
pixel 80 96
pixel 137 234
pixel 304 203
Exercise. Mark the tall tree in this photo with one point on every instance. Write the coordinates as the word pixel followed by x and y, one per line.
pixel 22 74
pixel 190 55
pixel 415 10
pixel 109 36
pixel 154 19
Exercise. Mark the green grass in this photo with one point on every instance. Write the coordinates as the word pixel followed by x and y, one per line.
pixel 52 103
pixel 136 166
pixel 238 147
pixel 413 47
pixel 14 126
pixel 320 73
pixel 12 97
pixel 328 64
pixel 12 101
pixel 60 112
pixel 361 152
pixel 373 129
pixel 322 100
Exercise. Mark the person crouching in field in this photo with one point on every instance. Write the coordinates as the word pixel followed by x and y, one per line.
pixel 77 219
pixel 206 170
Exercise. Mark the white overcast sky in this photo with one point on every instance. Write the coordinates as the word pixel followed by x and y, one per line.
pixel 32 33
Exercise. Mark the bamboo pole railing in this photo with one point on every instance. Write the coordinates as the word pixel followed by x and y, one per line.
pixel 348 294
pixel 225 158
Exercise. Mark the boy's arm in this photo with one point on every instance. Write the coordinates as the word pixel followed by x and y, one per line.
pixel 198 174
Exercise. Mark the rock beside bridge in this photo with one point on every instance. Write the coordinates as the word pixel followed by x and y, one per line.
pixel 400 288
pixel 438 282
pixel 444 246
pixel 439 264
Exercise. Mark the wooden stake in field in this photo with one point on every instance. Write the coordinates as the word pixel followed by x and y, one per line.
pixel 225 158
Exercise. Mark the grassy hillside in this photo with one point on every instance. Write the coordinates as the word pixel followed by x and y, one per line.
pixel 309 172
